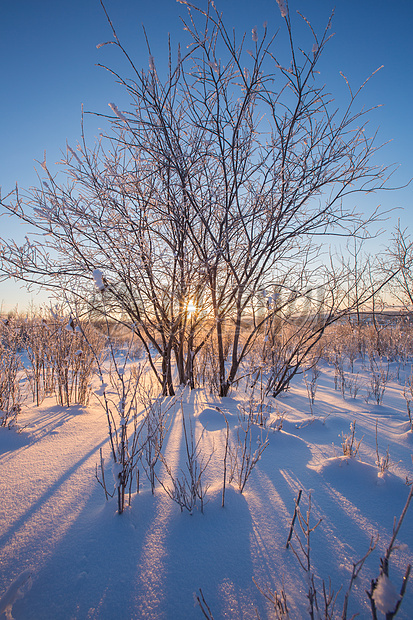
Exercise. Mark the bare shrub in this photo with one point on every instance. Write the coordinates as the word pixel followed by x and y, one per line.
pixel 38 346
pixel 255 406
pixel 73 360
pixel 241 455
pixel 10 367
pixel 292 343
pixel 383 595
pixel 126 423
pixel 125 427
pixel 206 367
pixel 321 605
pixel 353 384
pixel 60 359
pixel 187 488
pixel 339 376
pixel 278 601
pixel 379 376
pixel 349 444
pixel 301 547
pixel 408 396
pixel 10 396
pixel 346 341
pixel 155 423
pixel 311 384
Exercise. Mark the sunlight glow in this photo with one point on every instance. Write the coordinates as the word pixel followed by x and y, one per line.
pixel 191 307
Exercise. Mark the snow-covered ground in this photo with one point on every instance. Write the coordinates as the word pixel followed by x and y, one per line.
pixel 83 560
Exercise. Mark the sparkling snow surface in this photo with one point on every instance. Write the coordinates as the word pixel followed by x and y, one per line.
pixel 85 561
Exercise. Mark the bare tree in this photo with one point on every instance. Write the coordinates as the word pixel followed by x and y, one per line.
pixel 399 260
pixel 220 180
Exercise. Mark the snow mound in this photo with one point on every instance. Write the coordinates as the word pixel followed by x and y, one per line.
pixel 212 419
pixel 356 473
pixel 405 431
pixel 351 465
pixel 308 425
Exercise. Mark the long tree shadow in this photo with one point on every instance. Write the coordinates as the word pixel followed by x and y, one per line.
pixel 47 422
pixel 48 495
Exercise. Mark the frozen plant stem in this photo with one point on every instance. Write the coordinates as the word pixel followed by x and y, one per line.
pixel 204 605
pixel 383 463
pixel 357 566
pixel 303 555
pixel 311 385
pixel 408 396
pixel 384 569
pixel 225 456
pixel 277 600
pixel 349 444
pixel 297 501
pixel 102 480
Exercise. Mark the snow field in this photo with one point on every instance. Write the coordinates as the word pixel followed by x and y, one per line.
pixel 86 561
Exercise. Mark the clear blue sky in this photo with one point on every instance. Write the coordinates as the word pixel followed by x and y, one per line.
pixel 48 59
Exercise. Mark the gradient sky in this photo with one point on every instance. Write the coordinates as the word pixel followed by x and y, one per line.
pixel 48 59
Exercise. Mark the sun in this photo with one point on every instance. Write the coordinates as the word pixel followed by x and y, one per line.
pixel 191 307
